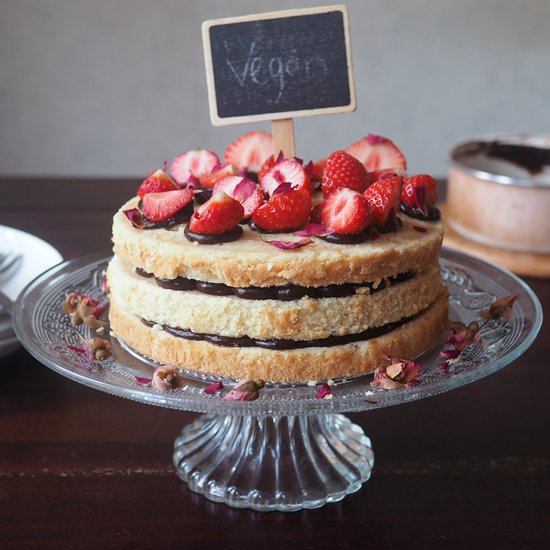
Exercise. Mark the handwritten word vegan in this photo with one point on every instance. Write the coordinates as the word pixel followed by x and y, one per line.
pixel 265 70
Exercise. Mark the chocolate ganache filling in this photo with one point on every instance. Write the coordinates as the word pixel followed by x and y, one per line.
pixel 217 238
pixel 280 344
pixel 432 212
pixel 284 293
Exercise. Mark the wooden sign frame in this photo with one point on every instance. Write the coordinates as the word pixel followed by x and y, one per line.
pixel 280 119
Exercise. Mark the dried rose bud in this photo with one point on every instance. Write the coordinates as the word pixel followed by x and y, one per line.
pixel 500 308
pixel 246 390
pixel 167 378
pixel 83 309
pixel 400 373
pixel 100 348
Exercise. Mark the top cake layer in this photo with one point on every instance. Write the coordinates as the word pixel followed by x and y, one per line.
pixel 250 261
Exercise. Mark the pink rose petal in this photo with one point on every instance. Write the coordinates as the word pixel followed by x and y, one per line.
pixel 323 391
pixel 290 245
pixel 135 217
pixel 236 395
pixel 314 230
pixel 283 187
pixel 213 388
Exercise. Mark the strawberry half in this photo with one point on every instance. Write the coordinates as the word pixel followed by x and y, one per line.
pixel 243 190
pixel 378 153
pixel 343 170
pixel 346 212
pixel 217 174
pixel 285 170
pixel 284 211
pixel 158 207
pixel 157 182
pixel 217 215
pixel 384 198
pixel 419 190
pixel 193 164
pixel 250 151
pixel 317 170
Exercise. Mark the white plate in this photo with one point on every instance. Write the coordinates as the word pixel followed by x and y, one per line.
pixel 38 256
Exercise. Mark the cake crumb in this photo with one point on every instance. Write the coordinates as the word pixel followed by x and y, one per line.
pixel 312 383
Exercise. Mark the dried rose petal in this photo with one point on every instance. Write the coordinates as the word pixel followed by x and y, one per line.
pixel 213 388
pixel 244 190
pixel 246 390
pixel 500 308
pixel 314 230
pixel 283 186
pixel 290 245
pixel 75 348
pixel 323 391
pixel 135 217
pixel 166 378
pixel 419 229
pixel 373 139
pixel 142 380
pixel 104 284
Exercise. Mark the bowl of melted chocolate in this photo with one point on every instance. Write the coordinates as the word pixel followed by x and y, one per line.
pixel 499 192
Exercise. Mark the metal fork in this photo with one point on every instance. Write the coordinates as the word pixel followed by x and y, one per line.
pixel 9 264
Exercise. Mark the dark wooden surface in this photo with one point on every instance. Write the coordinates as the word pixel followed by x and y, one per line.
pixel 82 469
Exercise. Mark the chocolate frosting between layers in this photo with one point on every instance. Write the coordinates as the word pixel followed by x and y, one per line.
pixel 280 344
pixel 283 293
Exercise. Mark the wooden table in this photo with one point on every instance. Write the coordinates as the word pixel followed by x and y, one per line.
pixel 82 469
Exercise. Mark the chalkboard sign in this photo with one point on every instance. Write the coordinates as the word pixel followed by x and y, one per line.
pixel 279 65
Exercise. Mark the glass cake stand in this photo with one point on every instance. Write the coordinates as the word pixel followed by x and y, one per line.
pixel 288 449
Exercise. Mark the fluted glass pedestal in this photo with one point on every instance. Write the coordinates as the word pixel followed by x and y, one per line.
pixel 266 463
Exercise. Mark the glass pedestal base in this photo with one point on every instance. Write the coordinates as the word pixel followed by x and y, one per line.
pixel 267 463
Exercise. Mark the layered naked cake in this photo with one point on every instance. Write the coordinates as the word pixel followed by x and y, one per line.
pixel 244 285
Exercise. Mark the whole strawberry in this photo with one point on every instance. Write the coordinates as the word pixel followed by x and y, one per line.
pixel 346 212
pixel 343 170
pixel 384 198
pixel 285 211
pixel 217 215
pixel 419 190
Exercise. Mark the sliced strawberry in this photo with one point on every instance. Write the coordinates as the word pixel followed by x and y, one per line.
pixel 315 214
pixel 285 170
pixel 419 190
pixel 266 167
pixel 158 207
pixel 250 151
pixel 243 190
pixel 193 164
pixel 284 211
pixel 343 170
pixel 384 198
pixel 157 182
pixel 217 215
pixel 377 153
pixel 217 174
pixel 317 170
pixel 345 211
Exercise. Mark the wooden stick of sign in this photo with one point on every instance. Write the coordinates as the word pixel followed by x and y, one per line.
pixel 277 66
